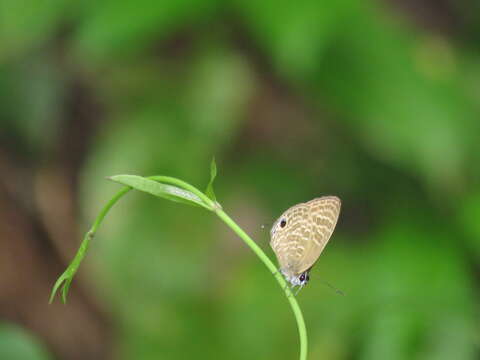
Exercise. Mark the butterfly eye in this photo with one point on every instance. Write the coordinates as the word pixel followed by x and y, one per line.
pixel 283 223
pixel 302 277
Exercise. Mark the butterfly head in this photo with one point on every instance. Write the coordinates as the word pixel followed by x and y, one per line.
pixel 296 279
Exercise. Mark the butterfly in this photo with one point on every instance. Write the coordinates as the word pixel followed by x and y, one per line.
pixel 300 234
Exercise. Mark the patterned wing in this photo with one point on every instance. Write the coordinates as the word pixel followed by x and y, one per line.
pixel 288 236
pixel 323 216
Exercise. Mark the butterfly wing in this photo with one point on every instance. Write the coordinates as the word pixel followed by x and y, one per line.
pixel 323 215
pixel 288 242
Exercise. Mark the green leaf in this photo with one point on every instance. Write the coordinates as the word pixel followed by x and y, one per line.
pixel 213 174
pixel 156 188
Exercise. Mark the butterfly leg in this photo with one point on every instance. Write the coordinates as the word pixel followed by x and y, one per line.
pixel 299 288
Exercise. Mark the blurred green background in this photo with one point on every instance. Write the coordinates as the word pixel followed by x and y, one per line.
pixel 376 102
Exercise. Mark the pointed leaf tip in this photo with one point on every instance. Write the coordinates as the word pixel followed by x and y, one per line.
pixel 66 287
pixel 57 285
pixel 213 174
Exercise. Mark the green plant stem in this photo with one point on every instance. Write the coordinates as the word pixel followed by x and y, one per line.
pixel 302 331
pixel 211 205
pixel 107 208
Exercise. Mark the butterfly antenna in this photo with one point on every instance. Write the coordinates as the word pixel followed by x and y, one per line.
pixel 338 291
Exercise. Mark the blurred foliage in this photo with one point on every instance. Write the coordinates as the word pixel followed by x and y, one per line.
pixel 17 344
pixel 388 121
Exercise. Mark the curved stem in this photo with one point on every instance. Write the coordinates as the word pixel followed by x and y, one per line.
pixel 106 209
pixel 302 331
pixel 67 276
pixel 209 204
